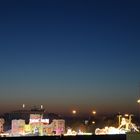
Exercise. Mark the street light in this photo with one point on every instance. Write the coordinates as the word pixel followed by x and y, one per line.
pixel 94 112
pixel 138 101
pixel 74 112
pixel 92 118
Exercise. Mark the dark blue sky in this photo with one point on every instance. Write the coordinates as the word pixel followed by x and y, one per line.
pixel 80 54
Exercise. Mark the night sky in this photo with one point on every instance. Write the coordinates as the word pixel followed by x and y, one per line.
pixel 65 54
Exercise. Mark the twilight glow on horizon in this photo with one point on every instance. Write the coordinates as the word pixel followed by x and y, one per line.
pixel 74 54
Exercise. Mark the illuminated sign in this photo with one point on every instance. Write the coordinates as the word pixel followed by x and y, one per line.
pixel 45 120
pixel 39 120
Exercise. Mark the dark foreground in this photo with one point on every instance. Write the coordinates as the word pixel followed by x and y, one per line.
pixel 93 137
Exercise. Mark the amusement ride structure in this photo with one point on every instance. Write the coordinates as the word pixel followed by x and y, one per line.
pixel 125 126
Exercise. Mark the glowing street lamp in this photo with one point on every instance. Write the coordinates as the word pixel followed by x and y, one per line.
pixel 94 112
pixel 138 101
pixel 74 112
pixel 91 118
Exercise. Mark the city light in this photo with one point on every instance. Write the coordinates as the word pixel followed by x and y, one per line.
pixel 74 112
pixel 126 115
pixel 138 101
pixel 94 112
pixel 23 106
pixel 41 106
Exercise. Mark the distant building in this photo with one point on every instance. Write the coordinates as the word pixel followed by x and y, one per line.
pixel 23 114
pixel 35 120
pixel 57 127
pixel 37 124
pixel 18 127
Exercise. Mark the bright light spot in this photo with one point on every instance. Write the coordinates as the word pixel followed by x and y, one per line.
pixel 93 122
pixel 23 106
pixel 124 127
pixel 126 115
pixel 108 130
pixel 93 112
pixel 41 106
pixel 138 101
pixel 73 111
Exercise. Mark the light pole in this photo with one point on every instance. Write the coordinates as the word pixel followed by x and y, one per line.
pixel 138 101
pixel 92 121
pixel 93 115
pixel 73 119
pixel 74 112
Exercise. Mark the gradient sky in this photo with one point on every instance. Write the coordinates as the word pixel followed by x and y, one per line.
pixel 66 54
